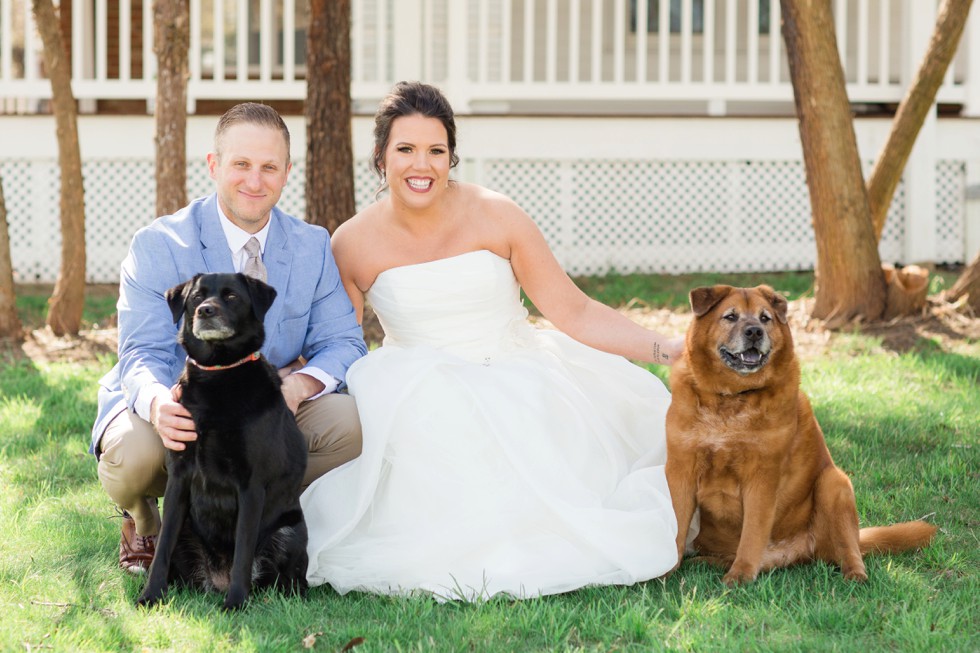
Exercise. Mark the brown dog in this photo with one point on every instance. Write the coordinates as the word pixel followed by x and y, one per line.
pixel 744 446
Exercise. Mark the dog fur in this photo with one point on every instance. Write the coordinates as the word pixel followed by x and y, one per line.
pixel 232 519
pixel 744 447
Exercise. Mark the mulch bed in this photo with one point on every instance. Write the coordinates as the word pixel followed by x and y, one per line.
pixel 940 323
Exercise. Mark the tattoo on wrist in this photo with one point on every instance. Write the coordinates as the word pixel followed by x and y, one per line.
pixel 657 355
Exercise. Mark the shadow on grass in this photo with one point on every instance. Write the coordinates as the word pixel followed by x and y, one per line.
pixel 104 607
pixel 45 421
pixel 953 364
pixel 689 610
pixel 902 407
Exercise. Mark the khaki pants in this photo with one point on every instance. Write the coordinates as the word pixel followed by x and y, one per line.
pixel 133 463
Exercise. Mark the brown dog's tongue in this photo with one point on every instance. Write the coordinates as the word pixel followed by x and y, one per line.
pixel 751 356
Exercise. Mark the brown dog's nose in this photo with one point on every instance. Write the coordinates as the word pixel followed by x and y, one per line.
pixel 205 310
pixel 754 332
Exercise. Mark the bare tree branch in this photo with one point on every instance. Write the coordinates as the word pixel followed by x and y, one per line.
pixel 914 108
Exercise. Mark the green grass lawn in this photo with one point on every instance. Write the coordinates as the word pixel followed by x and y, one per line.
pixel 905 427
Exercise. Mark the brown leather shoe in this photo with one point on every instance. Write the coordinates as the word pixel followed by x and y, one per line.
pixel 135 551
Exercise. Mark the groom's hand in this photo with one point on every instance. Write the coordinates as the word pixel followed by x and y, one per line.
pixel 171 420
pixel 297 387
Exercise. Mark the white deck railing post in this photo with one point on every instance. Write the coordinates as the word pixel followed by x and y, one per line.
pixel 83 29
pixel 406 39
pixel 6 41
pixel 149 58
pixel 920 171
pixel 971 236
pixel 194 55
pixel 971 41
pixel 457 85
pixel 32 58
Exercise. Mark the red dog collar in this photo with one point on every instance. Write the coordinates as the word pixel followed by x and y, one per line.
pixel 212 368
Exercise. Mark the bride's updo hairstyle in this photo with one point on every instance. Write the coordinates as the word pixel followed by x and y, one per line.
pixel 410 99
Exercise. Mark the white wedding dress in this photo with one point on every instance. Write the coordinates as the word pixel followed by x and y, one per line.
pixel 497 457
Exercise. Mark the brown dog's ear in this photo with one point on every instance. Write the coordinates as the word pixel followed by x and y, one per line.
pixel 704 299
pixel 779 304
pixel 176 299
pixel 261 295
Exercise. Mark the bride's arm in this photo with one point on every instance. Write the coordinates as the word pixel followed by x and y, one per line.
pixel 344 246
pixel 568 308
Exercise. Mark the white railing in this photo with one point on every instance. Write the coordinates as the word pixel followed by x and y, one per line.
pixel 535 56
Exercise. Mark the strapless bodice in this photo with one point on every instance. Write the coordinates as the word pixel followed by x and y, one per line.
pixel 469 304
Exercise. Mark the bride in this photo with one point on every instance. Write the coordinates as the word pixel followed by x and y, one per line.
pixel 497 458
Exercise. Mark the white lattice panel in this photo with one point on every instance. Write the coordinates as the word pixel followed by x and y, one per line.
pixel 199 181
pixel 23 207
pixel 111 218
pixel 950 224
pixel 598 216
pixel 674 217
pixel 678 217
pixel 537 187
pixel 293 200
pixel 892 243
pixel 366 182
pixel 774 230
pixel 614 203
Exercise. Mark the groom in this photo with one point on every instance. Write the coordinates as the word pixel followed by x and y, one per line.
pixel 312 333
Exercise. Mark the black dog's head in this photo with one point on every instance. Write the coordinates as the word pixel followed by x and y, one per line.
pixel 222 314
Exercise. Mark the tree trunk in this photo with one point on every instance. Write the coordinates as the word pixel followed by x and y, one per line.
pixel 329 157
pixel 68 299
pixel 913 109
pixel 849 279
pixel 967 287
pixel 10 326
pixel 171 37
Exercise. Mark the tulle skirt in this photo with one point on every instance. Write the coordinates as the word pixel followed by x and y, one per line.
pixel 534 471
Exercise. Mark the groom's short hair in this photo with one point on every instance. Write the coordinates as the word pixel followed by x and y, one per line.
pixel 252 113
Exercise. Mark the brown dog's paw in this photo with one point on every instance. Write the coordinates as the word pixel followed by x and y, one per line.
pixel 856 574
pixel 732 580
pixel 740 575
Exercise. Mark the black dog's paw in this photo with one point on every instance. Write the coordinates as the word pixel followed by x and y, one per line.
pixel 149 598
pixel 235 599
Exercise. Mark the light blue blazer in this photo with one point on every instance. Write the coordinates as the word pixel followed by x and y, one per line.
pixel 312 315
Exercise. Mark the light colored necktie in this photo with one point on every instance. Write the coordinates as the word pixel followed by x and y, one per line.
pixel 253 264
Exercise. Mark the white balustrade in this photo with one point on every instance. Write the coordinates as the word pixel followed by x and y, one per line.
pixel 533 56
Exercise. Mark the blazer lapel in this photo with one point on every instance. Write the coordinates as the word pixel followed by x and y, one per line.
pixel 214 245
pixel 277 265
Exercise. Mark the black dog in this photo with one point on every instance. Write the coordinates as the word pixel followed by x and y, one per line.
pixel 232 518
